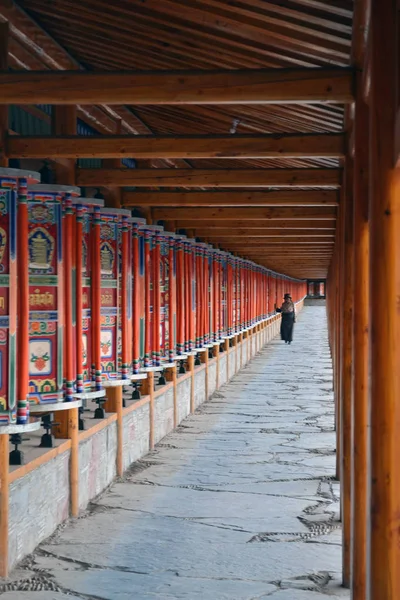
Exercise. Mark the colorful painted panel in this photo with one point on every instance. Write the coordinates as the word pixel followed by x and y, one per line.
pixel 165 299
pixel 45 297
pixel 109 269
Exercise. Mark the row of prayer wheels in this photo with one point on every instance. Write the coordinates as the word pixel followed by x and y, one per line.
pixel 90 295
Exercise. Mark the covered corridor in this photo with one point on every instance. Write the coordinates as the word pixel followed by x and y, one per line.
pixel 170 172
pixel 239 502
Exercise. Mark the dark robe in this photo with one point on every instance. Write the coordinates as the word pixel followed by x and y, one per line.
pixel 288 319
pixel 287 324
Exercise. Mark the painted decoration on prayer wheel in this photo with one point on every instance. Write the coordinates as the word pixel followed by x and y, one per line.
pixel 190 294
pixel 138 306
pixel 164 298
pixel 223 281
pixel 13 184
pixel 168 312
pixel 180 295
pixel 125 298
pixel 155 293
pixel 170 299
pixel 108 263
pixel 46 291
pixel 84 209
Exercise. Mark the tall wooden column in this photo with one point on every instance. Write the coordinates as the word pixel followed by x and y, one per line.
pixel 384 402
pixel 360 353
pixel 346 366
pixel 4 36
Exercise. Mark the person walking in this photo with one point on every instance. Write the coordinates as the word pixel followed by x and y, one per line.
pixel 288 319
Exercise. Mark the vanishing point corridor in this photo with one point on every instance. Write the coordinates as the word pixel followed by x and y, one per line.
pixel 238 503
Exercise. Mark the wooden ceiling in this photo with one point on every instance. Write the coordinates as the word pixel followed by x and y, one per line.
pixel 175 35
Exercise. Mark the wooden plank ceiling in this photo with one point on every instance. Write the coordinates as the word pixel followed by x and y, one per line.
pixel 146 35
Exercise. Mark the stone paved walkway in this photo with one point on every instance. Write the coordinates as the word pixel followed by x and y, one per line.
pixel 238 504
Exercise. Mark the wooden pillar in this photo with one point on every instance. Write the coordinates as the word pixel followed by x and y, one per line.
pixel 205 354
pixel 4 37
pixel 73 430
pixel 384 406
pixel 64 120
pixel 148 390
pixel 113 195
pixel 4 503
pixel 360 353
pixel 345 406
pixel 192 387
pixel 170 375
pixel 227 359
pixel 114 404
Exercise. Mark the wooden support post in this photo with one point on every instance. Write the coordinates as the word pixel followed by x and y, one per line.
pixel 205 355
pixel 148 389
pixel 73 430
pixel 170 375
pixel 236 354
pixel 192 388
pixel 4 37
pixel 360 353
pixel 112 194
pixel 345 407
pixel 338 335
pixel 216 350
pixel 226 344
pixel 383 535
pixel 113 404
pixel 4 503
pixel 64 121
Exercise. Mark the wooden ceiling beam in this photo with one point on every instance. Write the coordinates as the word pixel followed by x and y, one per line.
pixel 221 214
pixel 215 178
pixel 232 198
pixel 249 86
pixel 263 234
pixel 220 227
pixel 288 242
pixel 220 146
